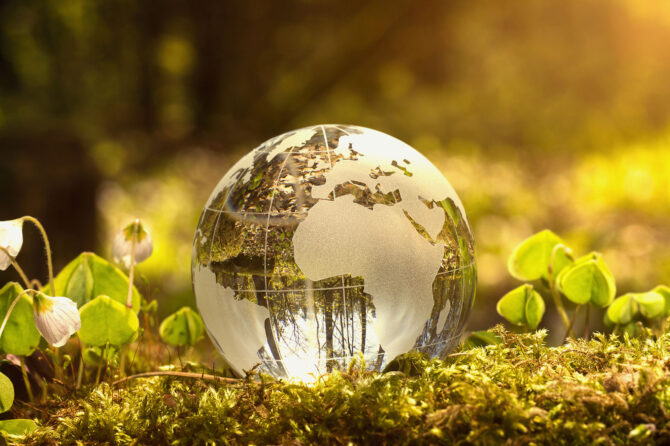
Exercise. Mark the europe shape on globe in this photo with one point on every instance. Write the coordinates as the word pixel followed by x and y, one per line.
pixel 329 242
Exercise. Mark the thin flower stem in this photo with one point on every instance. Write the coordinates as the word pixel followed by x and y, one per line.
pixel 47 247
pixel 129 299
pixel 16 266
pixel 35 284
pixel 80 372
pixel 26 380
pixel 11 308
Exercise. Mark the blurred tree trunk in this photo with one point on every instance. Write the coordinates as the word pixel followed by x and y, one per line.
pixel 48 175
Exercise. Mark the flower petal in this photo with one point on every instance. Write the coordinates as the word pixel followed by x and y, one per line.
pixel 11 238
pixel 122 245
pixel 59 322
pixel 144 248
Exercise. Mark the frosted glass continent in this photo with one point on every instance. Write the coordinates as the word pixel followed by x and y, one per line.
pixel 327 243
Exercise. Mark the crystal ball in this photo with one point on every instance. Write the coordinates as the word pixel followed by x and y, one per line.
pixel 330 244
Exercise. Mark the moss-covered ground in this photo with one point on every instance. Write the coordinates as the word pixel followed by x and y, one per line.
pixel 602 391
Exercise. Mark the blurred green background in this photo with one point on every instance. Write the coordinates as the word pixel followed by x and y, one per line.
pixel 550 114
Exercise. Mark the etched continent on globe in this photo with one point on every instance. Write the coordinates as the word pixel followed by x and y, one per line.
pixel 328 242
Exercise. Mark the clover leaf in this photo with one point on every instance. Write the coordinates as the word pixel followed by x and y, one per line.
pixel 651 304
pixel 588 280
pixel 20 336
pixel 106 321
pixel 530 260
pixel 17 428
pixel 6 393
pixel 88 276
pixel 522 306
pixel 622 310
pixel 665 292
pixel 184 327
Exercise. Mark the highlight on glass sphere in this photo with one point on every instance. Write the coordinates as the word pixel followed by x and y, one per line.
pixel 330 244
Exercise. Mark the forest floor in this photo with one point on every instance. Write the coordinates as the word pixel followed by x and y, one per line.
pixel 602 391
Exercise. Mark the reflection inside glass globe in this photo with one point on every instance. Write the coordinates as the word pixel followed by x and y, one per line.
pixel 330 244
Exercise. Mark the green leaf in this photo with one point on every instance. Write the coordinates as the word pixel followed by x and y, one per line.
pixel 481 339
pixel 531 258
pixel 183 327
pixel 88 276
pixel 665 292
pixel 20 336
pixel 104 320
pixel 588 280
pixel 522 306
pixel 534 310
pixel 651 303
pixel 622 310
pixel 93 356
pixel 6 393
pixel 17 427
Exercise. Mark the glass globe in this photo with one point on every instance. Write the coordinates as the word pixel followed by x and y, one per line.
pixel 330 244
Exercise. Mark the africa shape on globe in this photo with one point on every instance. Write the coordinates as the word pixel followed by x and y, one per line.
pixel 329 242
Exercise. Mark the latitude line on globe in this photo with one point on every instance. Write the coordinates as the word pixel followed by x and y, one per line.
pixel 218 217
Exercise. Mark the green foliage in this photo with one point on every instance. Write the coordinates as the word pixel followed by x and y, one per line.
pixel 530 260
pixel 184 327
pixel 16 429
pixel 588 280
pixel 6 393
pixel 635 306
pixel 20 336
pixel 665 292
pixel 522 306
pixel 517 392
pixel 106 321
pixel 94 356
pixel 481 339
pixel 88 276
pixel 622 310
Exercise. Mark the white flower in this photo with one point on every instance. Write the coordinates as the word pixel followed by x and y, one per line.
pixel 57 318
pixel 123 244
pixel 11 238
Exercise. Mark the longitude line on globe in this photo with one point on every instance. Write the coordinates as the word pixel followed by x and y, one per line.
pixel 340 128
pixel 344 292
pixel 267 229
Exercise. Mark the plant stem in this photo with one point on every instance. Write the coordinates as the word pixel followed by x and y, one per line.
pixel 131 269
pixel 180 375
pixel 561 309
pixel 16 266
pixel 47 247
pixel 97 374
pixel 80 372
pixel 26 380
pixel 586 322
pixel 554 291
pixel 572 322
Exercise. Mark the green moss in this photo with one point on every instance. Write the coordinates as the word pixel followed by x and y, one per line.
pixel 602 391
